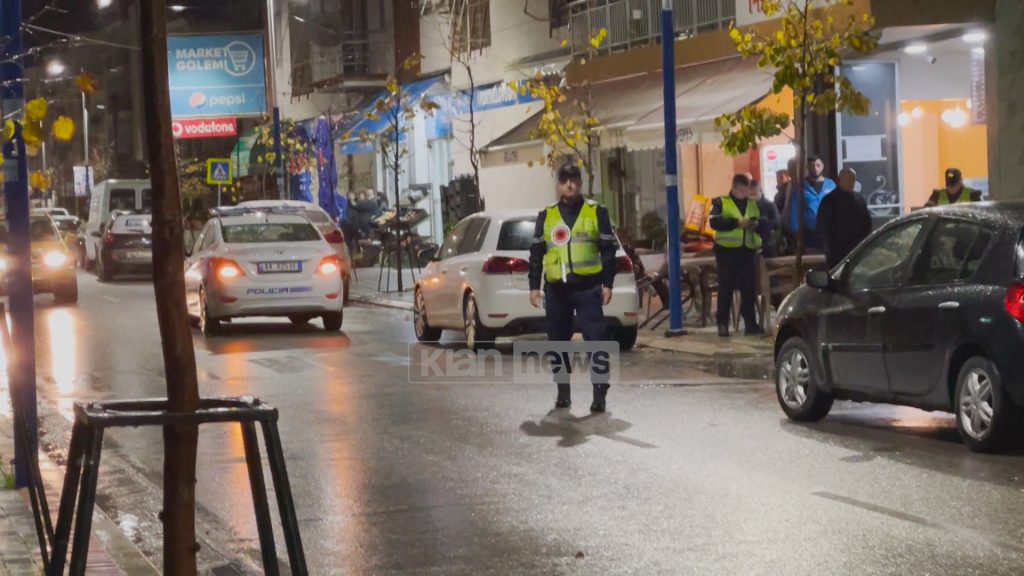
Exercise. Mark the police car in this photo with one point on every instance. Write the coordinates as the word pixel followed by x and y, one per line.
pixel 477 284
pixel 252 263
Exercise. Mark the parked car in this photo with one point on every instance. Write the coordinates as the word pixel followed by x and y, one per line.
pixel 263 264
pixel 927 312
pixel 52 212
pixel 107 197
pixel 127 246
pixel 53 265
pixel 477 284
pixel 323 222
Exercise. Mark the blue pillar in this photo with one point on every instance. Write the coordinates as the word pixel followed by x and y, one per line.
pixel 668 66
pixel 21 367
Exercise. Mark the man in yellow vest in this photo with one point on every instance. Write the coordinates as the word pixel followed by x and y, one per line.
pixel 738 224
pixel 955 192
pixel 574 251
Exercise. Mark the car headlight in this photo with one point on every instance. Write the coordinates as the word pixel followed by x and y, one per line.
pixel 54 259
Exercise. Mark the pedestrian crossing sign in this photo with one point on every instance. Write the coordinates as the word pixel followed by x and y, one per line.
pixel 218 172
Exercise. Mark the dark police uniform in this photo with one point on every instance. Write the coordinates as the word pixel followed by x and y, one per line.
pixel 574 251
pixel 736 258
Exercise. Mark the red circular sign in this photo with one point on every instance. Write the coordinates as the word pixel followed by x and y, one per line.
pixel 177 129
pixel 771 155
pixel 560 235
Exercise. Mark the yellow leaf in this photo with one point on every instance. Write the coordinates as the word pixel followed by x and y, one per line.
pixel 35 110
pixel 8 130
pixel 86 83
pixel 530 164
pixel 63 128
pixel 565 43
pixel 32 133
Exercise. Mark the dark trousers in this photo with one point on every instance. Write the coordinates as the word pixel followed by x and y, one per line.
pixel 737 270
pixel 562 304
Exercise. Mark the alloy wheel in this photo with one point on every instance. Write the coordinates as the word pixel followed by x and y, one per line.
pixel 470 318
pixel 794 379
pixel 976 404
pixel 419 315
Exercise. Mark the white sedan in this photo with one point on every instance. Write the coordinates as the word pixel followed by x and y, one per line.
pixel 477 284
pixel 262 264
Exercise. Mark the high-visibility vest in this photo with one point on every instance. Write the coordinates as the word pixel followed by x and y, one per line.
pixel 738 237
pixel 572 251
pixel 942 197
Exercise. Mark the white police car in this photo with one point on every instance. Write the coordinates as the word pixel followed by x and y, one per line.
pixel 252 263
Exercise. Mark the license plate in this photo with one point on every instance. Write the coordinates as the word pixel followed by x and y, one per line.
pixel 278 267
pixel 139 255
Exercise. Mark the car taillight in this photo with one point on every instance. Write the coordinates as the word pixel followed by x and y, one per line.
pixel 225 268
pixel 335 237
pixel 505 265
pixel 108 238
pixel 1014 301
pixel 329 266
pixel 623 265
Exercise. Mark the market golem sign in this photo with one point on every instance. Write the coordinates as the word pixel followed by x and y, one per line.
pixel 216 76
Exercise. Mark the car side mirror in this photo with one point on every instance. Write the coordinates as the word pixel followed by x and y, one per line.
pixel 819 279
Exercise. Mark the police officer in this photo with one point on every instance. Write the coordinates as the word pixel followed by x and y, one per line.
pixel 738 224
pixel 574 251
pixel 955 192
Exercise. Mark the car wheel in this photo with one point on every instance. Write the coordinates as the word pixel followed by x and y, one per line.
pixel 986 417
pixel 424 331
pixel 68 293
pixel 625 336
pixel 344 289
pixel 798 383
pixel 332 321
pixel 207 325
pixel 299 320
pixel 476 335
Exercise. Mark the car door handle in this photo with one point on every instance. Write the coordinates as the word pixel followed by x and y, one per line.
pixel 877 310
pixel 949 306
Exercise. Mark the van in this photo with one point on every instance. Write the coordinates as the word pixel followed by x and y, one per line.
pixel 107 196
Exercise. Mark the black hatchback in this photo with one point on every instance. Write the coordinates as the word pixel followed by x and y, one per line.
pixel 927 312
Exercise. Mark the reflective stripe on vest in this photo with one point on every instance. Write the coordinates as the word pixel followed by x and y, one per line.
pixel 943 197
pixel 573 251
pixel 738 237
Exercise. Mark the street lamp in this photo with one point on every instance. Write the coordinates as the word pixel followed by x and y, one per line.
pixel 55 68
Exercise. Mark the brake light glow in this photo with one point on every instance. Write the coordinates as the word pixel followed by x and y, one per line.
pixel 329 266
pixel 225 268
pixel 506 265
pixel 1014 301
pixel 623 265
pixel 335 237
pixel 108 238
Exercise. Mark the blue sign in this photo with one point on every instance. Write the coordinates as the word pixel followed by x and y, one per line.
pixel 487 97
pixel 216 76
pixel 218 172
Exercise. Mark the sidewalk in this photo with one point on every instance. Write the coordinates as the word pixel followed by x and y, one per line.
pixel 110 551
pixel 364 290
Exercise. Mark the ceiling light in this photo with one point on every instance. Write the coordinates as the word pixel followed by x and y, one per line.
pixel 55 68
pixel 955 117
pixel 176 8
pixel 917 113
pixel 916 49
pixel 101 4
pixel 298 19
pixel 903 119
pixel 975 37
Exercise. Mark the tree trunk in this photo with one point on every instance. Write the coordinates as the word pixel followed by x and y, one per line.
pixel 180 442
pixel 798 186
pixel 474 153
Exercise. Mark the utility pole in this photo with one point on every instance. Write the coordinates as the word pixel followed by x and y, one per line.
pixel 668 69
pixel 21 365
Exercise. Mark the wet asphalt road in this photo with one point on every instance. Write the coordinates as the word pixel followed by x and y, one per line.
pixel 689 473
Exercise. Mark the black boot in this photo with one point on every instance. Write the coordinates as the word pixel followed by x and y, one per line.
pixel 564 399
pixel 600 392
pixel 723 330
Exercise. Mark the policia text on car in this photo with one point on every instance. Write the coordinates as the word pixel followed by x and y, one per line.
pixel 574 250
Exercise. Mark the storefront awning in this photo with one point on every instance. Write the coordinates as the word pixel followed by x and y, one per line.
pixel 630 109
pixel 362 122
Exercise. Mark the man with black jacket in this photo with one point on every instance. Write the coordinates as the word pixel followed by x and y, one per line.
pixel 574 251
pixel 843 219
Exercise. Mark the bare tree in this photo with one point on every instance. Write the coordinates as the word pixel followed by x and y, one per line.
pixel 180 441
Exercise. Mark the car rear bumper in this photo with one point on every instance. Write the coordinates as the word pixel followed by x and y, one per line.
pixel 509 310
pixel 286 298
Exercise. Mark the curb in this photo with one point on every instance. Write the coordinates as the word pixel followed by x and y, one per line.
pixel 706 349
pixel 395 304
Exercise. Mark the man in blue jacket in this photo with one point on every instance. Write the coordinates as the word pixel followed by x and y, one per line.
pixel 815 187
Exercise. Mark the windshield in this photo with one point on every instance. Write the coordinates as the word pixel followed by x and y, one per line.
pixel 516 235
pixel 265 233
pixel 41 230
pixel 67 225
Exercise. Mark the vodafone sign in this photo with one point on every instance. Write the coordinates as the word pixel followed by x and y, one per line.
pixel 206 128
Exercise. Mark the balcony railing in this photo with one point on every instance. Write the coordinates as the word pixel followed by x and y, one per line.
pixel 635 23
pixel 356 59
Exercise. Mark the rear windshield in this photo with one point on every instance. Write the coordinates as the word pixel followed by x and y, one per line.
pixel 317 217
pixel 516 235
pixel 67 225
pixel 41 230
pixel 122 199
pixel 264 233
pixel 132 223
